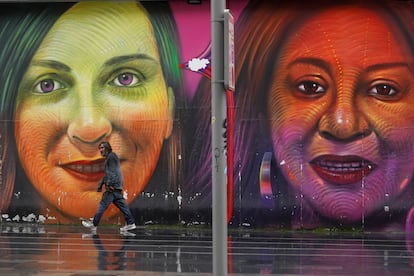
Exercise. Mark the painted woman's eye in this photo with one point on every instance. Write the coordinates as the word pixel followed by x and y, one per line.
pixel 382 90
pixel 310 88
pixel 126 79
pixel 47 86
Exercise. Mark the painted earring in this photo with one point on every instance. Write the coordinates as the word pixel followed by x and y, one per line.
pixel 265 181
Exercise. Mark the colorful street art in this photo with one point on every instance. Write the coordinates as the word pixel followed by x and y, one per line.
pixel 323 125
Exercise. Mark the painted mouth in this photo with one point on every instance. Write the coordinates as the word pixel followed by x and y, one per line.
pixel 87 170
pixel 342 170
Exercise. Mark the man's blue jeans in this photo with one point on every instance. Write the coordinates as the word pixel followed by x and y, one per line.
pixel 116 198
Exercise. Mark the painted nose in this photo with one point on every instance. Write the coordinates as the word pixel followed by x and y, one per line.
pixel 90 126
pixel 343 121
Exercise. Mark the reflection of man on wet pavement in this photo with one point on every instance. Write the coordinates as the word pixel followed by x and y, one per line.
pixel 114 259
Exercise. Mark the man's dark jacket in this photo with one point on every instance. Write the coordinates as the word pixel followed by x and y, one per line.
pixel 113 176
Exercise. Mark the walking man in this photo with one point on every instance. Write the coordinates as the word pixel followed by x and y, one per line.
pixel 113 190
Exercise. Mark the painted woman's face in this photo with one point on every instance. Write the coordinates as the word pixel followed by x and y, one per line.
pixel 96 76
pixel 342 113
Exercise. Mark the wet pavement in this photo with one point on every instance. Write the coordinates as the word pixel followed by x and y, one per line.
pixel 32 249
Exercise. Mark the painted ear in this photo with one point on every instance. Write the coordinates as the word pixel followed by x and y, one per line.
pixel 171 109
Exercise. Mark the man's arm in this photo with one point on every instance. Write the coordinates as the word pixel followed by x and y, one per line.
pixel 112 171
pixel 101 182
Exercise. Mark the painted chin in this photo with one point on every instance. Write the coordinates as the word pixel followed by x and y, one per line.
pixel 342 170
pixel 344 206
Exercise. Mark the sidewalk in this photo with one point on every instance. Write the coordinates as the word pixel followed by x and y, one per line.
pixel 32 249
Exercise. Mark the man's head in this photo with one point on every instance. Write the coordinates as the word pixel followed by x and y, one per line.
pixel 105 148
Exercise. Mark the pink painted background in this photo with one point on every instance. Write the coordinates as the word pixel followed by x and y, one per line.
pixel 194 27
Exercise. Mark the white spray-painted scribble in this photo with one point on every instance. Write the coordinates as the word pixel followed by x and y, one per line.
pixel 197 64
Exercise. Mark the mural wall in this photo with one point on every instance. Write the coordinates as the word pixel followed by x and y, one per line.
pixel 323 121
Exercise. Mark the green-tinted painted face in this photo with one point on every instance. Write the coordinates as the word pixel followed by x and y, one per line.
pixel 96 76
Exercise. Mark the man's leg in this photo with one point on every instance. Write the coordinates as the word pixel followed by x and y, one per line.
pixel 107 198
pixel 123 207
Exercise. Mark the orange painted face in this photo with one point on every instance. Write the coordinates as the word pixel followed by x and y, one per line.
pixel 342 112
pixel 102 83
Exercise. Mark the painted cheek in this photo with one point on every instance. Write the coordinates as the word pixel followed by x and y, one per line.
pixel 149 120
pixel 26 131
pixel 35 132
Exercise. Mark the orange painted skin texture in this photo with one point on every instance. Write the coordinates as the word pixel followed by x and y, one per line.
pixel 73 96
pixel 342 112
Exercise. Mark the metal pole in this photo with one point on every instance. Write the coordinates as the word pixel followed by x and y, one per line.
pixel 219 160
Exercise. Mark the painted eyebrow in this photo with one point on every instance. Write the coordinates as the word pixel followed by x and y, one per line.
pixel 121 59
pixel 389 65
pixel 52 64
pixel 314 61
pixel 322 64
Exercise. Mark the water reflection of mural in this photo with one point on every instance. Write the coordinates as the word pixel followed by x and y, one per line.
pixel 323 121
pixel 188 251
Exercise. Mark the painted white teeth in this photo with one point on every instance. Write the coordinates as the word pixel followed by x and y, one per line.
pixel 87 168
pixel 341 167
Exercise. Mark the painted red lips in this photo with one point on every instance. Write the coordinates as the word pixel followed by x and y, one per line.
pixel 342 170
pixel 86 169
